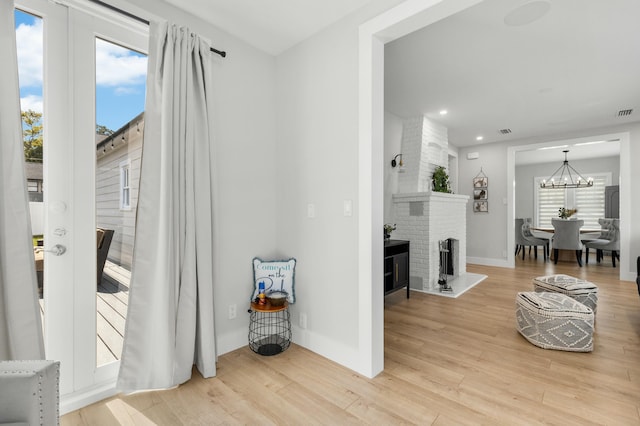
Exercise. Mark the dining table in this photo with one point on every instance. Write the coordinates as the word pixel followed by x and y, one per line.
pixel 564 255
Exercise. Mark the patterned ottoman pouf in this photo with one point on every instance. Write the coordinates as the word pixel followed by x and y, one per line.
pixel 554 321
pixel 583 291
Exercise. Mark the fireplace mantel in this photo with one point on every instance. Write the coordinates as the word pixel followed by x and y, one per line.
pixel 428 196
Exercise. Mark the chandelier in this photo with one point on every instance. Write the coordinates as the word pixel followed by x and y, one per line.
pixel 562 178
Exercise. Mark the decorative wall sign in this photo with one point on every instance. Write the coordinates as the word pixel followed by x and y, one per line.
pixel 277 275
pixel 481 193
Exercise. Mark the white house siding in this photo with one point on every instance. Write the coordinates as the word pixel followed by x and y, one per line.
pixel 110 154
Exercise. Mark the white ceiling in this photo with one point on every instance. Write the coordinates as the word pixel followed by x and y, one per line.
pixel 270 25
pixel 571 70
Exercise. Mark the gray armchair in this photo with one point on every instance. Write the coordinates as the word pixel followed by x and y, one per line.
pixel 29 393
pixel 609 239
pixel 520 240
pixel 535 241
pixel 566 236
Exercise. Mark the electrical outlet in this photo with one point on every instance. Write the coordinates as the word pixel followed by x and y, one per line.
pixel 303 320
pixel 504 254
pixel 232 311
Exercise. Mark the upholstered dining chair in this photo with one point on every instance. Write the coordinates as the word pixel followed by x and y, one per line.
pixel 520 240
pixel 566 236
pixel 609 239
pixel 535 241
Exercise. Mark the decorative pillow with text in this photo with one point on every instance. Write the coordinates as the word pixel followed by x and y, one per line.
pixel 277 275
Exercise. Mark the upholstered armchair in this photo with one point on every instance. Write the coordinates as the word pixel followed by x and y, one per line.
pixel 609 239
pixel 520 240
pixel 535 241
pixel 29 393
pixel 566 236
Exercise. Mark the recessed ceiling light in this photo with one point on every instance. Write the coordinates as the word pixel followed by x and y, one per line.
pixel 527 13
pixel 552 147
pixel 443 112
pixel 588 143
pixel 479 138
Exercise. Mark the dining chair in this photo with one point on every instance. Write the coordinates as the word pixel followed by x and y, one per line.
pixel 566 236
pixel 609 239
pixel 535 241
pixel 520 241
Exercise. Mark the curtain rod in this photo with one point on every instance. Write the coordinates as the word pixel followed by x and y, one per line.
pixel 144 21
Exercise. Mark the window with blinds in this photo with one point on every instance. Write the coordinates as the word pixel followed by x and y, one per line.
pixel 588 201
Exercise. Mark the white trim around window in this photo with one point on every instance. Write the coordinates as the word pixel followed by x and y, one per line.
pixel 125 185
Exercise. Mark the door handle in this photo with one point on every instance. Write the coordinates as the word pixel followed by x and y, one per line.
pixel 57 250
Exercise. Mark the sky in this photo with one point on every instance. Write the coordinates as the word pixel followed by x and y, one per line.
pixel 120 76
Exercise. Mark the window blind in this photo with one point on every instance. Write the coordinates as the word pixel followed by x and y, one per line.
pixel 588 201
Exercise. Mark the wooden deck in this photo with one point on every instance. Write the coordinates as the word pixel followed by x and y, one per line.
pixel 112 299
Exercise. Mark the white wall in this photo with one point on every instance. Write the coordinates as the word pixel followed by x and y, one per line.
pixel 317 91
pixel 486 238
pixel 245 138
pixel 392 147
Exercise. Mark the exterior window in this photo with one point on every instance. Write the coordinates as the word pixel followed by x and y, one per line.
pixel 32 185
pixel 125 190
pixel 588 201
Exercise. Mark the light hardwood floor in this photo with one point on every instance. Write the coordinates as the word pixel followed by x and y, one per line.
pixel 447 361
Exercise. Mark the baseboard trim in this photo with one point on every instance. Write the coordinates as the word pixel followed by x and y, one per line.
pixel 76 400
pixel 486 261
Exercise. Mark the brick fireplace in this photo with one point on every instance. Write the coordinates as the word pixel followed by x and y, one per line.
pixel 424 217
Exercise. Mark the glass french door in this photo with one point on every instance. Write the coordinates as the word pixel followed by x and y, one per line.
pixel 92 130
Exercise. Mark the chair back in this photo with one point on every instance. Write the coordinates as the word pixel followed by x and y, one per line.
pixel 611 232
pixel 566 234
pixel 526 230
pixel 532 239
pixel 29 392
pixel 519 237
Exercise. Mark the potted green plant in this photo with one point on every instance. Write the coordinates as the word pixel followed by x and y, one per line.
pixel 388 229
pixel 440 180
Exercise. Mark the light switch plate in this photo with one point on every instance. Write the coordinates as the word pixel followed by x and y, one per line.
pixel 348 208
pixel 311 210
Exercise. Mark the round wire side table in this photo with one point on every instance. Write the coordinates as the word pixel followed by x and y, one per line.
pixel 269 328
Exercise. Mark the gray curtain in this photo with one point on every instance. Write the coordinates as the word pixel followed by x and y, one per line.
pixel 20 324
pixel 170 316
